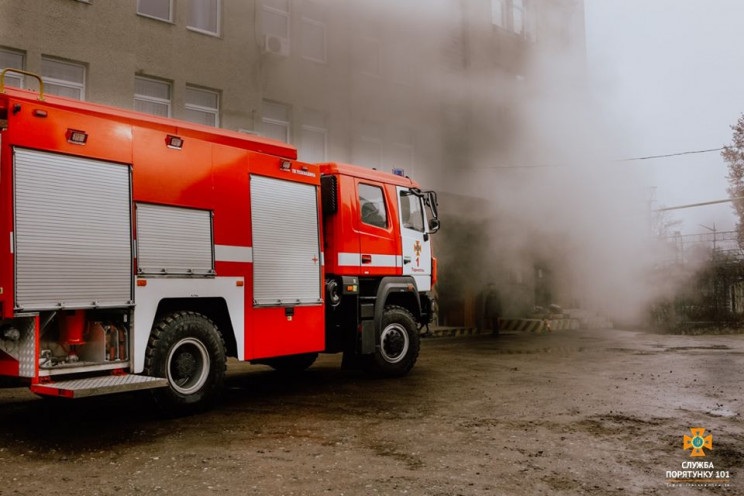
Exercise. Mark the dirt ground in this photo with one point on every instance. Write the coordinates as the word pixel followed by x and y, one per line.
pixel 573 412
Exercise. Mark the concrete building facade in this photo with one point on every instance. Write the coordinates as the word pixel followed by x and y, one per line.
pixel 422 85
pixel 385 84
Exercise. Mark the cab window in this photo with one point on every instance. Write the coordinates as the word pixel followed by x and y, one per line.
pixel 372 205
pixel 411 212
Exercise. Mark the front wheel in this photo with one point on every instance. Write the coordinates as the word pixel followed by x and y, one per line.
pixel 397 345
pixel 186 349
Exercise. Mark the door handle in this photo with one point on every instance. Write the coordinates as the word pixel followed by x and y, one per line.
pixel 366 259
pixel 406 260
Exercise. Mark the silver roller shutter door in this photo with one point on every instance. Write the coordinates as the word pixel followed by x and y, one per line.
pixel 72 232
pixel 286 245
pixel 174 240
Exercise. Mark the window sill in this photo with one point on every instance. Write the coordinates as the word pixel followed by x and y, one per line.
pixel 204 32
pixel 313 59
pixel 371 75
pixel 160 19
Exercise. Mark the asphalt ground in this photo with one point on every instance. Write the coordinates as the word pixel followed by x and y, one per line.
pixel 574 412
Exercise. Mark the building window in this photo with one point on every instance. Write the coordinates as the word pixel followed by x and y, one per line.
pixel 498 13
pixel 157 9
pixel 63 78
pixel 313 40
pixel 202 106
pixel 14 60
pixel 314 142
pixel 204 16
pixel 314 137
pixel 518 16
pixel 369 56
pixel 399 149
pixel 275 121
pixel 530 21
pixel 152 96
pixel 402 65
pixel 400 156
pixel 275 20
pixel 367 149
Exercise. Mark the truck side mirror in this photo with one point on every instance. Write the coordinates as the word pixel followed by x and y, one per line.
pixel 434 225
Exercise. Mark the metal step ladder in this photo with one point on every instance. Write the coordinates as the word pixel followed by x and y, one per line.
pixel 95 386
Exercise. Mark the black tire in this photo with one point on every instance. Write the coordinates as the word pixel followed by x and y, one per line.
pixel 292 363
pixel 397 344
pixel 186 349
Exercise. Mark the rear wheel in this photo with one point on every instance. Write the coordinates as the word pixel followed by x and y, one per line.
pixel 397 345
pixel 186 349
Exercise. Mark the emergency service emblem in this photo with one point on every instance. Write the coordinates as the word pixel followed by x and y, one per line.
pixel 417 251
pixel 697 442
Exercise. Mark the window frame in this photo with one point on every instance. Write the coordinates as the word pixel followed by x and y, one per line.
pixel 395 149
pixel 529 18
pixel 370 42
pixel 320 131
pixel 152 99
pixel 513 15
pixel 199 108
pixel 207 32
pixel 13 76
pixel 50 81
pixel 360 144
pixel 277 122
pixel 171 13
pixel 503 24
pixel 279 12
pixel 322 25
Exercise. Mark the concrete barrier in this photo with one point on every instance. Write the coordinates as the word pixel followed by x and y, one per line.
pixel 442 331
pixel 565 324
pixel 524 325
pixel 538 326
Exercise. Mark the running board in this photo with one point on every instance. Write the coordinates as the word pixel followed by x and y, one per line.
pixel 96 386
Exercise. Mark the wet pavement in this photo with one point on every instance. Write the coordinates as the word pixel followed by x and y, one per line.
pixel 574 412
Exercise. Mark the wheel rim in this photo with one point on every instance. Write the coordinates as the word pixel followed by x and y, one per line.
pixel 394 343
pixel 188 366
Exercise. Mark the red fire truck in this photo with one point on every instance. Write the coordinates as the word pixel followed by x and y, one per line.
pixel 142 252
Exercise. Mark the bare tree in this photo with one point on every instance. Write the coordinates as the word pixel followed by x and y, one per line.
pixel 660 221
pixel 733 155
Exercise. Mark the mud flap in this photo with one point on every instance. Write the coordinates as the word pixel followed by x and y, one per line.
pixel 368 337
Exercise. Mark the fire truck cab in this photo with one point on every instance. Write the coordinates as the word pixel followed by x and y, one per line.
pixel 141 252
pixel 380 264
